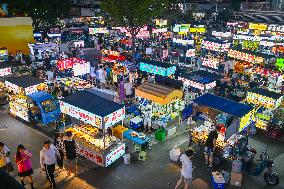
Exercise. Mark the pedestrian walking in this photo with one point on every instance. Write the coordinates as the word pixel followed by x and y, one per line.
pixel 210 146
pixel 186 170
pixel 58 143
pixel 70 147
pixel 48 160
pixel 24 165
pixel 5 163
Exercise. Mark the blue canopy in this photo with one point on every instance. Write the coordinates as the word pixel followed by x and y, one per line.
pixel 92 103
pixel 224 105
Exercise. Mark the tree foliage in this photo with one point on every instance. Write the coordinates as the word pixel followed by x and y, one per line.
pixel 133 14
pixel 45 13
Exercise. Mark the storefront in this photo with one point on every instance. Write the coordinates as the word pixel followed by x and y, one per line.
pixel 96 115
pixel 231 117
pixel 157 68
pixel 29 102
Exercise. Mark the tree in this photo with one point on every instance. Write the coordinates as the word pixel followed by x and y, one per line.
pixel 133 14
pixel 45 13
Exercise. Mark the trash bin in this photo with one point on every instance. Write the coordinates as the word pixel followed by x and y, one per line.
pixel 126 158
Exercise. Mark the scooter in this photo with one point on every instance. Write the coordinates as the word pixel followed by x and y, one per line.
pixel 270 177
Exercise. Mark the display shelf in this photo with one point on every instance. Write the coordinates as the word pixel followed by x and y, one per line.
pixel 90 136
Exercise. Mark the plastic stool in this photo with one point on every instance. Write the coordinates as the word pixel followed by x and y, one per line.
pixel 142 156
pixel 137 148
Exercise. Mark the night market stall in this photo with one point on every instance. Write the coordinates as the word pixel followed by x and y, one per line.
pixel 93 134
pixel 232 117
pixel 159 105
pixel 157 68
pixel 29 102
pixel 266 103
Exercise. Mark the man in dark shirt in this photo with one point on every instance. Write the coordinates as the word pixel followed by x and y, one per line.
pixel 210 146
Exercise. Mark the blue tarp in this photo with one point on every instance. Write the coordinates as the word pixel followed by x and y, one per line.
pixel 223 105
pixel 47 117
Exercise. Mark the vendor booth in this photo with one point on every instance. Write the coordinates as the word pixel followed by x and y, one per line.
pixel 156 67
pixel 97 115
pixel 266 103
pixel 29 102
pixel 232 117
pixel 159 104
pixel 201 80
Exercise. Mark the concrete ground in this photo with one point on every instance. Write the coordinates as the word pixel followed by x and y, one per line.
pixel 157 172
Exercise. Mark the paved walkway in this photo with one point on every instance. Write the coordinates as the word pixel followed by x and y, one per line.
pixel 157 172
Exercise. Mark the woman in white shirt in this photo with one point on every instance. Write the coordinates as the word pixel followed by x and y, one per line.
pixel 186 170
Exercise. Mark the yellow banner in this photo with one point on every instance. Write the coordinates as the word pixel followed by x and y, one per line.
pixel 197 30
pixel 254 26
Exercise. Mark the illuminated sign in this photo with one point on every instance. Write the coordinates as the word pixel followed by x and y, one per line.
pixel 275 28
pixel 187 82
pixel 31 89
pixel 197 30
pixel 98 30
pixel 190 53
pixel 13 87
pixel 219 47
pixel 250 44
pixel 90 154
pixel 245 56
pixel 115 154
pixel 81 69
pixel 181 28
pixel 221 34
pixel 81 114
pixel 279 64
pixel 156 69
pixel 254 26
pixel 210 85
pixel 160 22
pixel 114 117
pixel 246 120
pixel 258 99
pixel 5 71
pixel 69 62
pixel 143 34
pixel 159 30
pixel 183 41
pixel 3 52
pixel 212 63
pixel 54 35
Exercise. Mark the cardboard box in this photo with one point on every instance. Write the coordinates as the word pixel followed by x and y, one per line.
pixel 236 179
pixel 200 184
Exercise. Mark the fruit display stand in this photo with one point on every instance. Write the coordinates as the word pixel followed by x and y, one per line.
pixel 97 116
